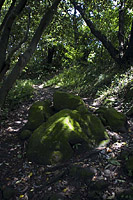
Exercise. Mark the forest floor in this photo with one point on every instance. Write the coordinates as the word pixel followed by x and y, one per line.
pixel 21 179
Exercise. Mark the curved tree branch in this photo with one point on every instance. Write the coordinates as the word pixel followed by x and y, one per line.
pixel 98 34
pixel 1 3
pixel 7 15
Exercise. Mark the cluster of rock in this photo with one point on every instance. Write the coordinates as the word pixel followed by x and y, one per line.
pixel 56 131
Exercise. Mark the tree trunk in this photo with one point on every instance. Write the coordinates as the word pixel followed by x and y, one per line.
pixel 128 56
pixel 50 54
pixel 107 44
pixel 120 56
pixel 7 15
pixel 7 29
pixel 25 57
pixel 121 29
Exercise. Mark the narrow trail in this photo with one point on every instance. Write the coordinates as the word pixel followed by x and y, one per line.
pixel 32 181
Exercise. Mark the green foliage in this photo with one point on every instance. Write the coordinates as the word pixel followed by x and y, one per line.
pixel 121 87
pixel 22 91
pixel 107 83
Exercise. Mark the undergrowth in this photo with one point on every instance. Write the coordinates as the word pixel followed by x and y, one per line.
pixel 112 85
pixel 22 91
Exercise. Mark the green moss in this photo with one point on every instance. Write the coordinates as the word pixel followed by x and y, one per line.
pixel 64 100
pixel 53 141
pixel 56 135
pixel 97 131
pixel 82 109
pixel 48 111
pixel 38 113
pixel 116 120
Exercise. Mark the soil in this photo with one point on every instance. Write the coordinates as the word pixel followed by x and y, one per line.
pixel 22 179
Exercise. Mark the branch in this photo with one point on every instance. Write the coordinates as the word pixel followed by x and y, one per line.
pixel 106 43
pixel 7 15
pixel 1 3
pixel 13 50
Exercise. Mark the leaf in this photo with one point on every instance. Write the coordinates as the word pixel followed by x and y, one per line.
pixel 65 189
pixel 19 156
pixel 21 196
pixel 47 173
pixel 30 175
pixel 114 162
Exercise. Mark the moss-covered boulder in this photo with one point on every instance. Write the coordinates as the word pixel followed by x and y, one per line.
pixel 111 117
pixel 64 100
pixel 38 113
pixel 54 140
pixel 96 130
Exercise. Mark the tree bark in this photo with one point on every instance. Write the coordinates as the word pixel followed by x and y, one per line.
pixel 7 29
pixel 6 65
pixel 51 52
pixel 128 56
pixel 121 29
pixel 107 44
pixel 7 15
pixel 25 57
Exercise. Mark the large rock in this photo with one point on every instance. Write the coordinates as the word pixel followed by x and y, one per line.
pixel 111 117
pixel 64 100
pixel 39 112
pixel 54 140
pixel 96 132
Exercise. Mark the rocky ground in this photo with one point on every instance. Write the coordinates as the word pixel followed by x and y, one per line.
pixel 97 175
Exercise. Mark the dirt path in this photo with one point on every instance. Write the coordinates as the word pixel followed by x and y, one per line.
pixel 25 180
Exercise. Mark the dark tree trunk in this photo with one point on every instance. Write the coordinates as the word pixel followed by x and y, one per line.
pixel 7 29
pixel 25 57
pixel 75 28
pixel 50 55
pixel 128 56
pixel 120 56
pixel 121 29
pixel 7 15
pixel 107 44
